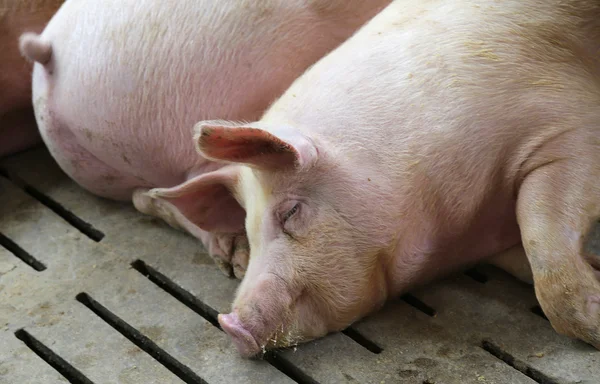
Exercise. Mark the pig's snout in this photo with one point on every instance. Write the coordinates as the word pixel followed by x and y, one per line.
pixel 243 340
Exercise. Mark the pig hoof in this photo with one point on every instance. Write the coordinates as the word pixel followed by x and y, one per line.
pixel 230 253
pixel 238 271
pixel 243 340
pixel 241 254
pixel 223 266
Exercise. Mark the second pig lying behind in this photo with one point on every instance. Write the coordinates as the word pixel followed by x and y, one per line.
pixel 438 135
pixel 119 84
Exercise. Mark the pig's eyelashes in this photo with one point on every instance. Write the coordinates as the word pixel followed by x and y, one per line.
pixel 289 227
pixel 290 213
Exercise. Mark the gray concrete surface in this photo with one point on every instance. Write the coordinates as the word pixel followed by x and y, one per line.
pixel 153 322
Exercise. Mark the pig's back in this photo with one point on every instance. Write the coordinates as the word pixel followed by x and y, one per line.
pixel 451 83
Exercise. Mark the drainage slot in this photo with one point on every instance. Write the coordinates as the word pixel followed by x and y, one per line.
pixel 177 292
pixel 520 366
pixel 418 304
pixel 81 225
pixel 362 340
pixel 274 358
pixel 479 277
pixel 536 309
pixel 62 366
pixel 141 340
pixel 22 254
pixel 287 368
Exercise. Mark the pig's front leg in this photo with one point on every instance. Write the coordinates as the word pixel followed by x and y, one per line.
pixel 557 205
pixel 230 251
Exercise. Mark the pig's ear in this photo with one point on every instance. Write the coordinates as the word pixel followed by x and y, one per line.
pixel 282 148
pixel 206 202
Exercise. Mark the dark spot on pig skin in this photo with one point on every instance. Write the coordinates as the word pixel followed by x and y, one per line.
pixel 532 243
pixel 126 159
pixel 88 135
pixel 257 310
pixel 109 179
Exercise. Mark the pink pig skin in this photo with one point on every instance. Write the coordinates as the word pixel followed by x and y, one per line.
pixel 119 84
pixel 18 130
pixel 441 133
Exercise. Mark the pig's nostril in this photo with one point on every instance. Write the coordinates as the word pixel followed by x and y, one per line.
pixel 242 339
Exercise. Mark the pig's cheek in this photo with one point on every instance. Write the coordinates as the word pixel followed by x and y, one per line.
pixel 307 319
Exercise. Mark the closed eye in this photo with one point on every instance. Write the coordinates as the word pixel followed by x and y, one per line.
pixel 290 213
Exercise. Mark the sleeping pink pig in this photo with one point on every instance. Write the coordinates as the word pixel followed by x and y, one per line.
pixel 17 123
pixel 119 84
pixel 441 133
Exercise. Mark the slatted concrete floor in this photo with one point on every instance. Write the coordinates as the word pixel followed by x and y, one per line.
pixel 93 292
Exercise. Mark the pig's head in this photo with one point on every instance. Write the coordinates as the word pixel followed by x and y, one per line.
pixel 319 255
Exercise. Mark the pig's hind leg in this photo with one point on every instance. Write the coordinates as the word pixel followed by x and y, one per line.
pixel 558 204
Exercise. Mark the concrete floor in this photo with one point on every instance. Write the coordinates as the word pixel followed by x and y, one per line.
pixel 93 292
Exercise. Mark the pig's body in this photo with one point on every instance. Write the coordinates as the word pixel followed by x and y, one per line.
pixel 17 123
pixel 127 80
pixel 438 135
